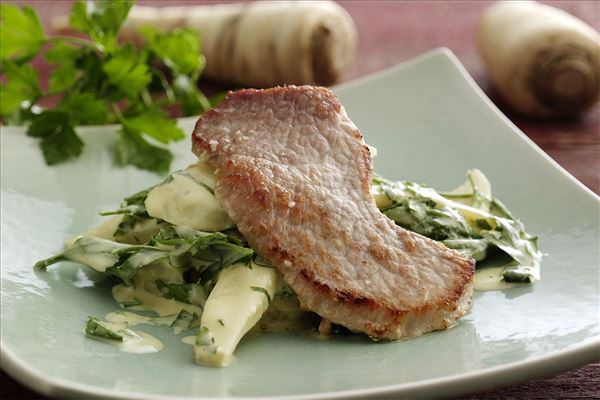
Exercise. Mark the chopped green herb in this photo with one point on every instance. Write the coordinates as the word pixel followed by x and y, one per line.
pixel 476 248
pixel 175 291
pixel 414 207
pixel 262 261
pixel 483 224
pixel 286 291
pixel 97 328
pixel 184 321
pixel 132 303
pixel 263 291
pixel 221 322
pixel 133 209
pixel 206 253
pixel 468 221
pixel 204 337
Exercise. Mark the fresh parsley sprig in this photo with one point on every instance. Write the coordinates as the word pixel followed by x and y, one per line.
pixel 100 81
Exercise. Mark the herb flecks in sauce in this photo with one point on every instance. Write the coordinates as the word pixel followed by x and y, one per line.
pixel 467 219
pixel 122 337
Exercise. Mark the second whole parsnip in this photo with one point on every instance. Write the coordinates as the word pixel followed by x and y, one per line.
pixel 263 44
pixel 544 61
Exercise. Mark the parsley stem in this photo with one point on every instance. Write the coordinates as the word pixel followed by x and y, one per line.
pixel 165 84
pixel 146 98
pixel 204 101
pixel 118 112
pixel 74 40
pixel 163 102
pixel 50 93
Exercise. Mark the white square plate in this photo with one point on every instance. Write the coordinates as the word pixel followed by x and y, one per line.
pixel 430 123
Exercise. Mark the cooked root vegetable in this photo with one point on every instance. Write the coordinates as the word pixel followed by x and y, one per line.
pixel 184 198
pixel 140 233
pixel 475 192
pixel 187 198
pixel 260 44
pixel 234 306
pixel 543 61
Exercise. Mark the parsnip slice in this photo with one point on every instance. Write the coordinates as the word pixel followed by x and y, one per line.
pixel 188 199
pixel 475 192
pixel 234 306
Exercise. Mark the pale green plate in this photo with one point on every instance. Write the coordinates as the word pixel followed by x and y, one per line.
pixel 430 123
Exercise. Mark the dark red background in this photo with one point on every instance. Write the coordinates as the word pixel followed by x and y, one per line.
pixel 391 32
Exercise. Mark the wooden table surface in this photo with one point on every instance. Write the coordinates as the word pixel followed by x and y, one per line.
pixel 391 32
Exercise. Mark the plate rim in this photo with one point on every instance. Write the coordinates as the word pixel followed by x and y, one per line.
pixel 451 385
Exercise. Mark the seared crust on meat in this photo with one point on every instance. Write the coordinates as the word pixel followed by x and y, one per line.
pixel 293 173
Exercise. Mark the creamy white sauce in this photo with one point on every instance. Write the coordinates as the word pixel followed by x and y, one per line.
pixel 82 280
pixel 151 302
pixel 132 319
pixel 98 261
pixel 133 341
pixel 191 340
pixel 487 279
pixel 143 343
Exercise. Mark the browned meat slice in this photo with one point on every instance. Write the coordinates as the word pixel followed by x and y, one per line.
pixel 293 173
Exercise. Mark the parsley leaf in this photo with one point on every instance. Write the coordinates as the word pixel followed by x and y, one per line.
pixel 132 149
pixel 65 55
pixel 21 31
pixel 128 72
pixel 101 20
pixel 45 124
pixel 179 50
pixel 84 108
pixel 215 99
pixel 155 124
pixel 192 100
pixel 62 78
pixel 61 51
pixel 93 79
pixel 100 80
pixel 59 140
pixel 62 145
pixel 22 85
